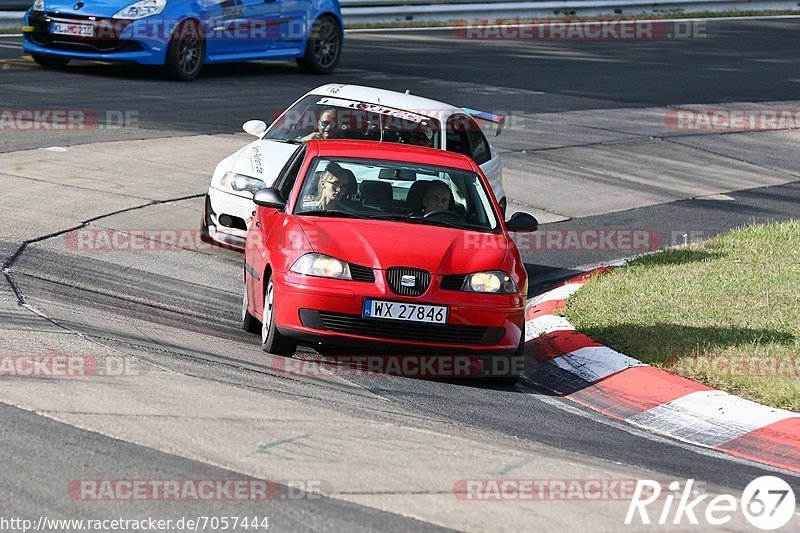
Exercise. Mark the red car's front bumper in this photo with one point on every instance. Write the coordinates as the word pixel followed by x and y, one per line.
pixel 329 310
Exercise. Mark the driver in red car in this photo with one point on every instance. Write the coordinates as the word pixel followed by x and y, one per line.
pixel 333 188
pixel 438 197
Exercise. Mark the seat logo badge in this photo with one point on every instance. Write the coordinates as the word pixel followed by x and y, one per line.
pixel 408 281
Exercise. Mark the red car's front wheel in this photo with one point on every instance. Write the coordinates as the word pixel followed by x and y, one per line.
pixel 271 339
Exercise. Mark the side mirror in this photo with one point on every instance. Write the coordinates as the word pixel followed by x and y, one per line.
pixel 254 127
pixel 269 197
pixel 522 222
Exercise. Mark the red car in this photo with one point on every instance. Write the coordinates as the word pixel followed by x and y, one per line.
pixel 364 243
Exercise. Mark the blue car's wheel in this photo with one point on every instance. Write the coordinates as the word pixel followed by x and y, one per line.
pixel 324 47
pixel 186 52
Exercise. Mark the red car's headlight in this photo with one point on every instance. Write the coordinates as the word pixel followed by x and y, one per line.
pixel 322 266
pixel 494 282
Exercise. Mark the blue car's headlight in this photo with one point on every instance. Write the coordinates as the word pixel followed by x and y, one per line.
pixel 141 9
pixel 38 5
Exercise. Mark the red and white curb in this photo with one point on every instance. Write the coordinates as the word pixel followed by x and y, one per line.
pixel 576 367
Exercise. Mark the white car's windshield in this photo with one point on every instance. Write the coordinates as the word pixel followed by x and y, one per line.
pixel 403 192
pixel 328 117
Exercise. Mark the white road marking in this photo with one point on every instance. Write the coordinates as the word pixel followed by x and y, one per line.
pixel 544 325
pixel 594 362
pixel 560 293
pixel 709 418
pixel 543 24
pixel 585 412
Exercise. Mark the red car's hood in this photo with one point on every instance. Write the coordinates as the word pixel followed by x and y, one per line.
pixel 382 244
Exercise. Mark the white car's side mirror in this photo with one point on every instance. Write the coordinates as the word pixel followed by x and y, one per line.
pixel 254 127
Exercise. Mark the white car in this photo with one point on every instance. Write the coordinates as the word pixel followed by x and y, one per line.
pixel 341 112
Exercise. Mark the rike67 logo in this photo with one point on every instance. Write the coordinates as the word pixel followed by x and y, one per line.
pixel 767 503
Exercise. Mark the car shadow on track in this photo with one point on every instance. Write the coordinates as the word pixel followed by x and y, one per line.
pixel 130 71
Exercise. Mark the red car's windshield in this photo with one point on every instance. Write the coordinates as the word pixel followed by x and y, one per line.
pixel 405 192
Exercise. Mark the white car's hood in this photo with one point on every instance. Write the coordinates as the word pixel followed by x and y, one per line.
pixel 263 159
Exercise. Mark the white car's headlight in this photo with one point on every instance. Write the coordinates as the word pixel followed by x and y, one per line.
pixel 142 9
pixel 38 5
pixel 240 182
pixel 323 266
pixel 494 281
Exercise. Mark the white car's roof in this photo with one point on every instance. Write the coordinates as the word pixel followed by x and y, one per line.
pixel 406 102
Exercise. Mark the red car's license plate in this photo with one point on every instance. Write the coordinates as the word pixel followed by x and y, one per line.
pixel 431 314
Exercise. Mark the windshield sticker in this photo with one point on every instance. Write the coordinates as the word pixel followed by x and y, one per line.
pixel 309 201
pixel 374 108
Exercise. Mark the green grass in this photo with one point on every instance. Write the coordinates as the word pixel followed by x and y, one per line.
pixel 725 313
pixel 565 17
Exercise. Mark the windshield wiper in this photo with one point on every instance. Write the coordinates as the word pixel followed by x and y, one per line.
pixel 333 213
pixel 427 221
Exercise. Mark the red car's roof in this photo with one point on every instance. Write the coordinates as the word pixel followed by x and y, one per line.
pixel 392 152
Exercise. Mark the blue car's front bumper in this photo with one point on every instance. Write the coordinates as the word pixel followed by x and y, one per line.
pixel 116 41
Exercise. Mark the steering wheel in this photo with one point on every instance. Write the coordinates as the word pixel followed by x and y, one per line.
pixel 441 212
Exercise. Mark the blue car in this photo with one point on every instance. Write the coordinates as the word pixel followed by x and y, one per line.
pixel 183 35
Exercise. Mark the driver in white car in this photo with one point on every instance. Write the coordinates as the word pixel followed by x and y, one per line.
pixel 326 126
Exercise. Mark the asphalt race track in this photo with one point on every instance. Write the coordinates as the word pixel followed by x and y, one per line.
pixel 588 147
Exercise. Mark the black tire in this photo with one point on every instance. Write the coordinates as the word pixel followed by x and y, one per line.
pixel 249 323
pixel 521 346
pixel 515 363
pixel 50 61
pixel 186 52
pixel 205 235
pixel 271 339
pixel 324 47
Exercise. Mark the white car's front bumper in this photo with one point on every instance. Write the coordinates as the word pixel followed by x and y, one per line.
pixel 228 216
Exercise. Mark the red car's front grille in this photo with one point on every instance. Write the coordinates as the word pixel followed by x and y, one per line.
pixel 411 331
pixel 395 277
pixel 453 282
